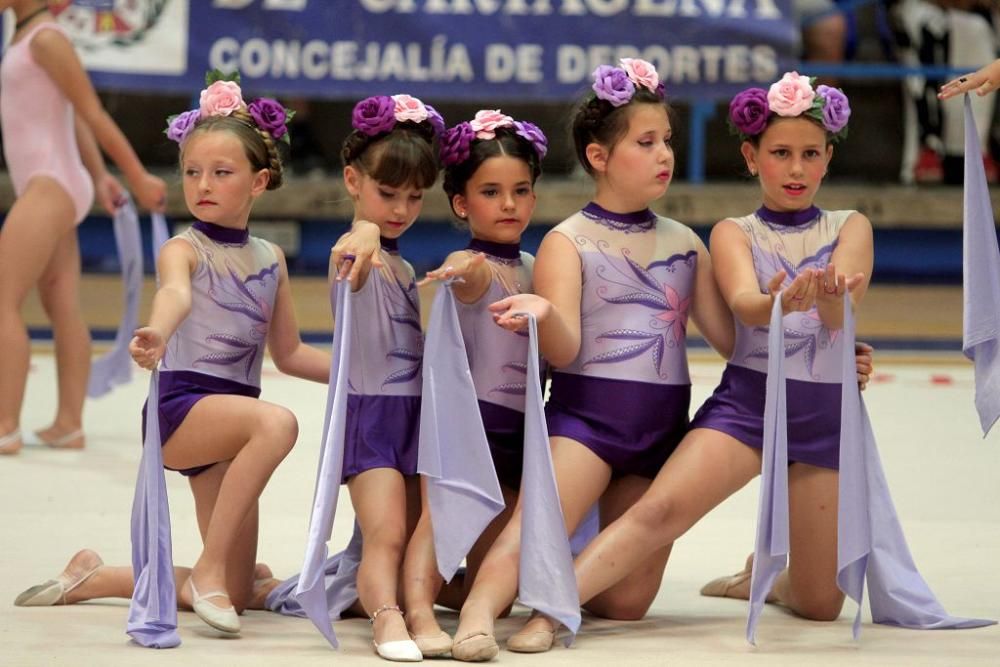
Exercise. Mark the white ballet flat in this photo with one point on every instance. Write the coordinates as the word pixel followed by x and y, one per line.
pixel 404 650
pixel 53 591
pixel 7 440
pixel 223 619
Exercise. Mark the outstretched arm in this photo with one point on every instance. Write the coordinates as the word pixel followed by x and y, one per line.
pixel 291 356
pixel 355 253
pixel 471 268
pixel 983 81
pixel 558 279
pixel 848 272
pixel 171 303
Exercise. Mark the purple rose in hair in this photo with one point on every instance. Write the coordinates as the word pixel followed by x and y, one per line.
pixel 269 115
pixel 179 126
pixel 749 111
pixel 534 135
pixel 374 115
pixel 455 144
pixel 836 108
pixel 435 119
pixel 612 84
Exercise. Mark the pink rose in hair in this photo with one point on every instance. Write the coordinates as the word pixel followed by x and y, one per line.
pixel 409 109
pixel 487 121
pixel 641 72
pixel 791 96
pixel 221 99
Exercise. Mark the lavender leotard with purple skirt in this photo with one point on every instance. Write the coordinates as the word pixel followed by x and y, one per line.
pixel 496 359
pixel 383 403
pixel 626 395
pixel 790 243
pixel 219 347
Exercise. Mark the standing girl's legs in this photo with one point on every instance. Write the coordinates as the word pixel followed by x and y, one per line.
pixel 421 581
pixel 59 289
pixel 35 225
pixel 380 499
pixel 581 478
pixel 253 436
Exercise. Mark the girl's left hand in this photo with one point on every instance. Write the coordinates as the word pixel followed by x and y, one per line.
pixel 509 313
pixel 457 270
pixel 151 192
pixel 356 251
pixel 863 363
pixel 833 285
pixel 109 193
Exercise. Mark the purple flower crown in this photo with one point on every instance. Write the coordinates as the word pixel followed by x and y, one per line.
pixel 617 85
pixel 221 97
pixel 379 114
pixel 456 142
pixel 793 95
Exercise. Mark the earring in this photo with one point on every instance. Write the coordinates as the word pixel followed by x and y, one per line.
pixel 461 214
pixel 753 172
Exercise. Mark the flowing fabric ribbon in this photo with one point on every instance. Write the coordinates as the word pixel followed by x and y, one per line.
pixel 152 613
pixel 114 367
pixel 870 541
pixel 770 554
pixel 311 591
pixel 339 579
pixel 547 582
pixel 454 455
pixel 981 280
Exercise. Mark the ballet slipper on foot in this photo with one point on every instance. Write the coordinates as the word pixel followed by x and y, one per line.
pixel 538 641
pixel 53 591
pixel 433 646
pixel 404 650
pixel 723 586
pixel 223 619
pixel 71 440
pixel 477 647
pixel 11 443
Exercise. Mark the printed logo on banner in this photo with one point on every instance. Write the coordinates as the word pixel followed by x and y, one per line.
pixel 129 36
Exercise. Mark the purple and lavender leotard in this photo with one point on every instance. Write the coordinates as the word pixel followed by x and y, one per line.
pixel 219 347
pixel 383 403
pixel 786 242
pixel 497 358
pixel 626 395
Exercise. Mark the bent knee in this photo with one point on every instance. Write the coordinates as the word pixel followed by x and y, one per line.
pixel 820 607
pixel 653 513
pixel 620 610
pixel 281 427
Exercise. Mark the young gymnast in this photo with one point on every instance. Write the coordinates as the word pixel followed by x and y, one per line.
pixel 817 259
pixel 388 161
pixel 490 165
pixel 46 102
pixel 622 282
pixel 223 295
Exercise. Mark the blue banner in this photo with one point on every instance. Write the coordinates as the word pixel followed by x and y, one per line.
pixel 516 50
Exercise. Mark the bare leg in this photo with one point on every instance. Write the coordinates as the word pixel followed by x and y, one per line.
pixel 707 467
pixel 253 436
pixel 581 478
pixel 379 499
pixel 59 289
pixel 421 580
pixel 31 231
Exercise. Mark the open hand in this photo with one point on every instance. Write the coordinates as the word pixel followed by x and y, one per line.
pixel 147 347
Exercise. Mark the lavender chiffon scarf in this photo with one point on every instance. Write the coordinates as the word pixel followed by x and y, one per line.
pixel 870 542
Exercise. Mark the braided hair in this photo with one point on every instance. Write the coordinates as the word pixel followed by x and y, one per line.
pixel 598 121
pixel 260 148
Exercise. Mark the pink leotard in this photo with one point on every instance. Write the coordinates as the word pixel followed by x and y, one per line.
pixel 39 137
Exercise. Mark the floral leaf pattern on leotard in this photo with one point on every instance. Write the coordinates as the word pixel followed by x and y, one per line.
pixel 403 309
pixel 625 282
pixel 239 296
pixel 514 388
pixel 804 332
